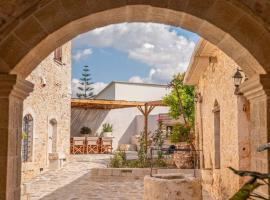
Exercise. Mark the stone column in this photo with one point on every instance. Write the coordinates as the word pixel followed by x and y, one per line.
pixel 13 90
pixel 257 91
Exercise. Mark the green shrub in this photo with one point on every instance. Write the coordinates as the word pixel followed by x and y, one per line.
pixel 85 130
pixel 180 133
pixel 107 127
pixel 141 153
pixel 118 159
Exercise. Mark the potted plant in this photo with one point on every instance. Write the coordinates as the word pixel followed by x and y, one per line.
pixel 85 131
pixel 107 130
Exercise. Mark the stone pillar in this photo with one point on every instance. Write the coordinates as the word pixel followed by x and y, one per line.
pixel 13 90
pixel 257 91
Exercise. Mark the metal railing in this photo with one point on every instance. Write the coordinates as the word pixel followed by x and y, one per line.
pixel 170 152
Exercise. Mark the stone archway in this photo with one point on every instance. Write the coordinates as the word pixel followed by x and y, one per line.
pixel 31 30
pixel 237 29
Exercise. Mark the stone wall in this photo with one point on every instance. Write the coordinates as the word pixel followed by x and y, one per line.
pixel 50 101
pixel 216 86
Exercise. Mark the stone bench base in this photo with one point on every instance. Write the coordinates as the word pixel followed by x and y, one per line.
pixel 135 172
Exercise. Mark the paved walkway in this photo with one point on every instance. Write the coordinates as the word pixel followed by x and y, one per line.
pixel 73 182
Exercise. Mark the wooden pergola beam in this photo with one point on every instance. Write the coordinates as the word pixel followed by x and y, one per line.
pixel 104 104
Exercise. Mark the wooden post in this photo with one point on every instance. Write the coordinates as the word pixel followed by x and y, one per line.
pixel 146 126
pixel 146 111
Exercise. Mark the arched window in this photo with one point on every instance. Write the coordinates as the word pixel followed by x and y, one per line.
pixel 27 138
pixel 216 111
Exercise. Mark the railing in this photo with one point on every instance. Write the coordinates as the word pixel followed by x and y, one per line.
pixel 169 152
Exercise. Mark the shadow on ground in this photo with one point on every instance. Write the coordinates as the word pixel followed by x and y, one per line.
pixel 86 187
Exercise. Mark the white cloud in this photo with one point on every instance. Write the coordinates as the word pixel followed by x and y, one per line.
pixel 97 87
pixel 82 54
pixel 136 79
pixel 156 45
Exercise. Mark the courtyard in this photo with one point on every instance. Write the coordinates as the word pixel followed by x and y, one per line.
pixel 74 182
pixel 207 63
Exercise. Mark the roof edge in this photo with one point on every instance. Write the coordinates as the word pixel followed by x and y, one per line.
pixel 199 62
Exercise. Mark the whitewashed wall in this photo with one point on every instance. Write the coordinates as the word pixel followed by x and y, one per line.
pixel 126 122
pixel 108 93
pixel 133 92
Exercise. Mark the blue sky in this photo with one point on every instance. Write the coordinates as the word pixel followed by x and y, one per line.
pixel 136 52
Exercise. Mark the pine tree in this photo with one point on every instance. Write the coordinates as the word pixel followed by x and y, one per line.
pixel 85 84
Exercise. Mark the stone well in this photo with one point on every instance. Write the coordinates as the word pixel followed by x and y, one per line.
pixel 172 187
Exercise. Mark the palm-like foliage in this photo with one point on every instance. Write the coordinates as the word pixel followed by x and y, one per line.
pixel 257 179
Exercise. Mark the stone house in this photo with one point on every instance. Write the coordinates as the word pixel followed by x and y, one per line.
pixel 46 114
pixel 222 120
pixel 127 122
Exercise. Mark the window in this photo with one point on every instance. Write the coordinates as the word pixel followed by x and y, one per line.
pixel 216 112
pixel 58 54
pixel 27 138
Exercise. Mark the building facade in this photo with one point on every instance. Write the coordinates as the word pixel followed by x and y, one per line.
pixel 222 120
pixel 46 115
pixel 127 122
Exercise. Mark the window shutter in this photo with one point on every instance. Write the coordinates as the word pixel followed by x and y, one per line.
pixel 58 54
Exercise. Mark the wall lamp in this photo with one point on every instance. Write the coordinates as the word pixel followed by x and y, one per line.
pixel 237 78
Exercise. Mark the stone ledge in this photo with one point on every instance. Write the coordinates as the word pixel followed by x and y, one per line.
pixel 135 172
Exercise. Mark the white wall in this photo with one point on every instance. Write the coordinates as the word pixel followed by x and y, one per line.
pixel 134 92
pixel 108 93
pixel 126 122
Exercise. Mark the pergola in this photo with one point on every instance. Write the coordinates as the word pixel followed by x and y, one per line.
pixel 144 107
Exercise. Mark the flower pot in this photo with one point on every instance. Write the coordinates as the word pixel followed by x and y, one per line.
pixel 107 134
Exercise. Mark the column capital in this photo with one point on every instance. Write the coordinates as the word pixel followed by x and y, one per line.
pixel 11 84
pixel 257 87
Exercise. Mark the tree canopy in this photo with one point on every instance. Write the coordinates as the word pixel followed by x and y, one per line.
pixel 181 100
pixel 85 88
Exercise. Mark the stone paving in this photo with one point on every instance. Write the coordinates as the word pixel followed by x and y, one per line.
pixel 73 182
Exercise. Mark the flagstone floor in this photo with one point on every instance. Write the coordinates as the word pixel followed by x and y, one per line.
pixel 73 182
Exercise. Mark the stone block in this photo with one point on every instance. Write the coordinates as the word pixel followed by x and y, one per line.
pixel 12 50
pixel 52 16
pixel 116 172
pixel 99 5
pixel 30 36
pixel 247 31
pixel 199 8
pixel 94 171
pixel 224 15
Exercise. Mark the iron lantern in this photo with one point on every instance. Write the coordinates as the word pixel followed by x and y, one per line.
pixel 237 78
